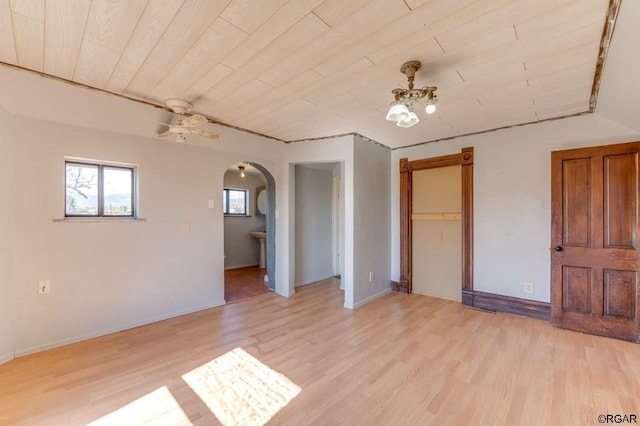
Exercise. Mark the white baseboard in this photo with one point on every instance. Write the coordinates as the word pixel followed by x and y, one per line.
pixel 311 281
pixel 285 294
pixel 7 357
pixel 371 298
pixel 50 345
pixel 248 265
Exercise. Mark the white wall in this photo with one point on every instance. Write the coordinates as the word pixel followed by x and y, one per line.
pixel 313 224
pixel 371 226
pixel 619 95
pixel 6 184
pixel 108 276
pixel 512 197
pixel 240 248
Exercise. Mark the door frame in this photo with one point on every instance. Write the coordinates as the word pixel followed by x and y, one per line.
pixel 270 223
pixel 336 214
pixel 464 159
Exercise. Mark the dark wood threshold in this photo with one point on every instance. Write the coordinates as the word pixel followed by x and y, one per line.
pixel 401 287
pixel 509 305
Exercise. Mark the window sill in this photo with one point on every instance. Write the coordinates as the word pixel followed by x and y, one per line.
pixel 237 215
pixel 100 219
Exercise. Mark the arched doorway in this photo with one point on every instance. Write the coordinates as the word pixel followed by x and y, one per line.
pixel 249 231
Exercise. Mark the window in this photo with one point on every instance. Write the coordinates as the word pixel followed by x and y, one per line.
pixel 234 202
pixel 98 190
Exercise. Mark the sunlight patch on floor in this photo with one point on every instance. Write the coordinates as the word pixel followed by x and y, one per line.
pixel 157 407
pixel 240 390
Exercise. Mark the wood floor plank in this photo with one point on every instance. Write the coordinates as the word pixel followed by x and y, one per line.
pixel 401 360
pixel 244 282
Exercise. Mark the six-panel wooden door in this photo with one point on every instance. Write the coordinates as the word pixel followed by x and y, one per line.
pixel 594 237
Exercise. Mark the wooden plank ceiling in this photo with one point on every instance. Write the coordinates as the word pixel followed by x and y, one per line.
pixel 299 69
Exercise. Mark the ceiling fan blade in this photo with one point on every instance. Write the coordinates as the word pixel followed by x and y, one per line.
pixel 206 134
pixel 166 132
pixel 194 120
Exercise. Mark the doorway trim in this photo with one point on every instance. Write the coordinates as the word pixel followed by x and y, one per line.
pixel 337 228
pixel 464 159
pixel 270 223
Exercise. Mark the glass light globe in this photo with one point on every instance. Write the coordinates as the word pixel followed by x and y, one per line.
pixel 398 111
pixel 411 120
pixel 431 108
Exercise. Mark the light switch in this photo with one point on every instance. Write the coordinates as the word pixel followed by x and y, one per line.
pixel 212 204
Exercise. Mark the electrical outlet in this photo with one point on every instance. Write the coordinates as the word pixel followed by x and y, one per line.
pixel 528 288
pixel 44 287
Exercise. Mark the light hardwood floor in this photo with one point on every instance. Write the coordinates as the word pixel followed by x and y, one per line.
pixel 399 360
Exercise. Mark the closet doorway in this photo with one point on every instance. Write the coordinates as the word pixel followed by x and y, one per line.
pixel 428 222
pixel 437 232
pixel 319 222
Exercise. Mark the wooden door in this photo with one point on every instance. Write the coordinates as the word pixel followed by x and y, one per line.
pixel 594 237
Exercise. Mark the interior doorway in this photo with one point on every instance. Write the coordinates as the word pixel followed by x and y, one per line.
pixel 319 222
pixel 248 201
pixel 464 159
pixel 437 232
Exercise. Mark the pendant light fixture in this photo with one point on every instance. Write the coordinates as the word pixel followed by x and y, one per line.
pixel 401 110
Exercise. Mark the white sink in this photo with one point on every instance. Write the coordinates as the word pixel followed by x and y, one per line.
pixel 263 251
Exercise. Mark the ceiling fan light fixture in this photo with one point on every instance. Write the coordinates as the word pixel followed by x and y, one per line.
pixel 401 110
pixel 185 125
pixel 409 121
pixel 179 106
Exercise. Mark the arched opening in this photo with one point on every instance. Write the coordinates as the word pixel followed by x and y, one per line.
pixel 249 230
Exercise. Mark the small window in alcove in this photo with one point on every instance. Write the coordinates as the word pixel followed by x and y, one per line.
pixel 235 202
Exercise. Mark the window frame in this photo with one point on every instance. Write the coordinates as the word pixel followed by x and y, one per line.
pixel 225 202
pixel 101 166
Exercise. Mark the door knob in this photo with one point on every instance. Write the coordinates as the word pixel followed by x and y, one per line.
pixel 558 248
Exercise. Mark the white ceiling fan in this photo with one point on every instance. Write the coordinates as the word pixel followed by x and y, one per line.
pixel 185 126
